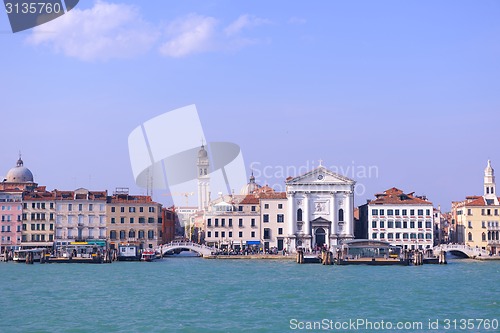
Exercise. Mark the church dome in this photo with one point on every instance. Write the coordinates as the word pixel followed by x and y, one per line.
pixel 19 174
pixel 202 153
pixel 251 187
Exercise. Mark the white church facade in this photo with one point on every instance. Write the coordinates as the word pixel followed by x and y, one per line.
pixel 320 210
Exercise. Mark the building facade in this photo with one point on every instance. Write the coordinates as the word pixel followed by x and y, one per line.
pixel 80 215
pixel 401 219
pixel 38 217
pixel 11 219
pixel 477 218
pixel 319 210
pixel 134 219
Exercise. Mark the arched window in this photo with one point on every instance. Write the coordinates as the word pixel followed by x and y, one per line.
pixel 151 234
pixel 141 234
pixel 131 234
pixel 489 235
pixel 487 190
pixel 496 238
pixel 341 215
pixel 299 214
pixel 484 237
pixel 492 191
pixel 122 234
pixel 112 234
pixel 470 236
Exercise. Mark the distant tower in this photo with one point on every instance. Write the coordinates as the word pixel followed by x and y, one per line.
pixel 489 182
pixel 203 179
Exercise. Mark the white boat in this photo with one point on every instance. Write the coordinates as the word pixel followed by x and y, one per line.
pixel 21 255
pixel 148 255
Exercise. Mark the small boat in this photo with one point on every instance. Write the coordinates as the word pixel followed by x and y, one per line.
pixel 148 255
pixel 22 255
pixel 128 252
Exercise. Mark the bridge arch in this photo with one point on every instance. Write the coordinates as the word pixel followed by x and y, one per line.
pixel 202 250
pixel 461 250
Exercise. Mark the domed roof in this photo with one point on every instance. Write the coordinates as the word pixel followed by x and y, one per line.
pixel 19 174
pixel 202 153
pixel 251 187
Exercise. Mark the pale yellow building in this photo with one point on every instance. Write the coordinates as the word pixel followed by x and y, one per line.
pixel 478 217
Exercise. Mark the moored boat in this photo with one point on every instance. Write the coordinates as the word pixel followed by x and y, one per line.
pixel 148 255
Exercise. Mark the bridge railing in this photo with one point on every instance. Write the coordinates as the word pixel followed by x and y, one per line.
pixel 165 247
pixel 462 247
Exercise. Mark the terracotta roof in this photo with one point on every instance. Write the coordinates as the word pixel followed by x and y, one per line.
pixel 250 199
pixel 395 196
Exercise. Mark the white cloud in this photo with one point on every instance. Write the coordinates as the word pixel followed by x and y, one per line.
pixel 188 35
pixel 244 21
pixel 103 32
pixel 297 20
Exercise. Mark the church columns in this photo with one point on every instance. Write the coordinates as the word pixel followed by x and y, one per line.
pixel 348 211
pixel 333 212
pixel 306 218
pixel 291 214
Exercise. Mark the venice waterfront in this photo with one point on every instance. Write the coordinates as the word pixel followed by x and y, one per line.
pixel 197 295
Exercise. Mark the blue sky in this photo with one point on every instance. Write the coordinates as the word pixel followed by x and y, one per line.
pixel 408 87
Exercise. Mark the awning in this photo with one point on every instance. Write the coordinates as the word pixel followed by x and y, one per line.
pixel 253 242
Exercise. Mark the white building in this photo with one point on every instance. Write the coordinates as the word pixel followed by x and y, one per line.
pixel 401 219
pixel 203 179
pixel 320 210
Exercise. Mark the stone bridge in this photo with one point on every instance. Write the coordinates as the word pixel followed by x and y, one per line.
pixel 203 250
pixel 461 250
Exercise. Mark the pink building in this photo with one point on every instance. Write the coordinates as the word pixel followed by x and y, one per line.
pixel 10 219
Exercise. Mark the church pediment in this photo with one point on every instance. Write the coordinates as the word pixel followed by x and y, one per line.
pixel 320 175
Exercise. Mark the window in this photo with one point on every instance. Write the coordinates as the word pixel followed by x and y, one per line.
pixel 382 224
pixel 405 224
pixel 122 209
pixel 253 208
pixel 419 223
pixel 240 223
pixel 420 212
pixel 299 214
pixel 374 211
pixel 91 207
pixel 131 209
pixel 209 222
pixel 223 234
pixel 470 224
pixel 280 206
pixel 151 209
pixel 112 234
pixel 496 212
pixel 413 236
pixel 428 236
pixel 374 235
pixel 470 237
pixel 131 234
pixel 412 224
pixel 33 227
pixel 230 234
pixel 122 220
pixel 216 234
pixel 223 222
pixel 216 222
pixel 280 231
pixel 122 234
pixel 240 208
pixel 390 224
pixel 390 212
pixel 253 223
pixel 141 209
pixel 374 224
pixel 80 207
pixel 253 234
pixel 405 236
pixel 113 220
pixel 483 224
pixel 483 237
pixel 397 212
pixel 405 212
pixel 420 236
pixel 398 224
pixel 230 222
pixel 382 212
pixel 412 212
pixel 428 224
pixel 428 212
pixel 469 211
pixel 266 218
pixel 281 218
pixel 70 207
pixel 341 215
pixel 131 220
pixel 390 235
pixel 240 234
pixel 151 220
pixel 266 206
pixel 398 235
pixel 267 233
pixel 382 235
pixel 142 220
pixel 151 233
pixel 112 209
pixel 209 234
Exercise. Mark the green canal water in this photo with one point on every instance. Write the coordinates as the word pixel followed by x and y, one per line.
pixel 196 295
